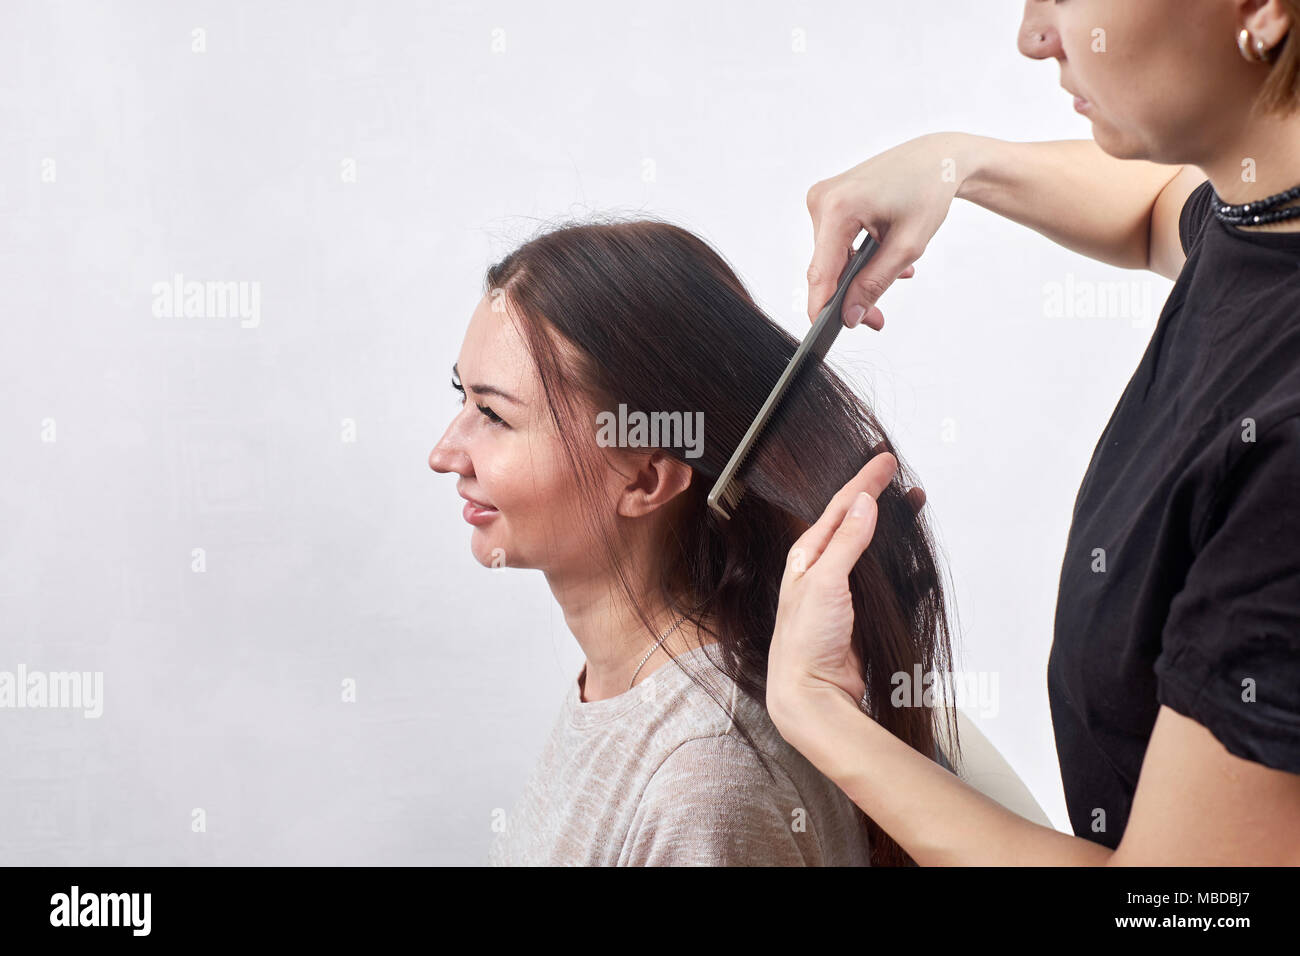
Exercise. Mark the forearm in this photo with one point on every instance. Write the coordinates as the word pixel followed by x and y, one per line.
pixel 1071 191
pixel 935 816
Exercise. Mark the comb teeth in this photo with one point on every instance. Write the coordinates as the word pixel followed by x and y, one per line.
pixel 728 498
pixel 732 494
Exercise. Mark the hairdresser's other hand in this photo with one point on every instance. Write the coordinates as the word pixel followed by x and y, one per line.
pixel 914 496
pixel 901 197
pixel 812 655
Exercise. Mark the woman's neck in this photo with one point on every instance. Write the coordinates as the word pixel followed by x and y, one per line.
pixel 1261 159
pixel 613 638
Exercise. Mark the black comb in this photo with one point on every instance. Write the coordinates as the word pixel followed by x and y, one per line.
pixel 729 489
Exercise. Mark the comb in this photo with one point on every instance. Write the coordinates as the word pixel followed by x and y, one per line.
pixel 729 489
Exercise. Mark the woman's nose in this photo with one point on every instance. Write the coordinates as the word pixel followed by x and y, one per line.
pixel 1038 38
pixel 449 454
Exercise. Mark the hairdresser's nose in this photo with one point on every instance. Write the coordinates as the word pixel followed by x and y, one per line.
pixel 1038 38
pixel 451 454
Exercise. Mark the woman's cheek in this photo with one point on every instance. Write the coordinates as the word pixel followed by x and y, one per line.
pixel 498 474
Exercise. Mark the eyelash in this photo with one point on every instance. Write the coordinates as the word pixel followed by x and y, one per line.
pixel 490 415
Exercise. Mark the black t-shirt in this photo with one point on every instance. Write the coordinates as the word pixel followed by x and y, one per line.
pixel 1180 583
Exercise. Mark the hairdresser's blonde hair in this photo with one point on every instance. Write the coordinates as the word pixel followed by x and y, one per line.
pixel 1281 91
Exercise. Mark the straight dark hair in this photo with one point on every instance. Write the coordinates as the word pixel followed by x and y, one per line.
pixel 646 314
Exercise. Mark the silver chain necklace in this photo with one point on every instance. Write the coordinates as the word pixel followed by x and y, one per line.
pixel 662 638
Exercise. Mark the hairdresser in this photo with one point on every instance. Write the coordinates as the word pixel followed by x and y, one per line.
pixel 1174 674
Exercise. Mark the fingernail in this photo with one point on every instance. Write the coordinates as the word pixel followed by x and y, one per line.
pixel 860 505
pixel 855 314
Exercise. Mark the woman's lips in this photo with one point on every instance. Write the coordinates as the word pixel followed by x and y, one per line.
pixel 476 513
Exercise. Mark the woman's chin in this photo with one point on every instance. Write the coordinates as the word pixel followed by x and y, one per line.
pixel 485 552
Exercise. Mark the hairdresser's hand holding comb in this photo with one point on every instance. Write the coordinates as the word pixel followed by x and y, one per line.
pixel 900 197
pixel 811 660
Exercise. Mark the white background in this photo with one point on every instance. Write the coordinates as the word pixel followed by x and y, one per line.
pixel 328 560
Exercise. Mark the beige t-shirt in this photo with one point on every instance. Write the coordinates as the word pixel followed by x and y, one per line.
pixel 660 775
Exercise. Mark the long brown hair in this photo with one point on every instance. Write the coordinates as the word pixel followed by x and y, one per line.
pixel 1280 92
pixel 645 314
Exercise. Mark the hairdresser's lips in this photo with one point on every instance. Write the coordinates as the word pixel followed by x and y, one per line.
pixel 1080 104
pixel 476 512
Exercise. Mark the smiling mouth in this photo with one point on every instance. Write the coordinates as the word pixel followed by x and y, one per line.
pixel 475 512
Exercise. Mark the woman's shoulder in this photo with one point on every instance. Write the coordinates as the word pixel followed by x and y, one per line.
pixel 698 704
pixel 717 799
pixel 727 777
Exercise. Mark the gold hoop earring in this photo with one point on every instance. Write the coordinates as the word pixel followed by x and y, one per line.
pixel 1258 55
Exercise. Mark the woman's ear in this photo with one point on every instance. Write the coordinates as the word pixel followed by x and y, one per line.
pixel 658 478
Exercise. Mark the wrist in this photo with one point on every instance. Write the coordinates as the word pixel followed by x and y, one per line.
pixel 811 718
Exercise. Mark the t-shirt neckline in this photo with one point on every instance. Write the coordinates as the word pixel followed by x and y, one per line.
pixel 587 713
pixel 1283 240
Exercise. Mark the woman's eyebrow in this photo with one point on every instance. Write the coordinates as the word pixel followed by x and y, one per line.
pixel 488 389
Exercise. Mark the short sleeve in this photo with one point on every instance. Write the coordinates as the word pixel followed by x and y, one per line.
pixel 711 803
pixel 1195 214
pixel 1230 656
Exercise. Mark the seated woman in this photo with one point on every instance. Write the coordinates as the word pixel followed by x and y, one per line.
pixel 663 752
